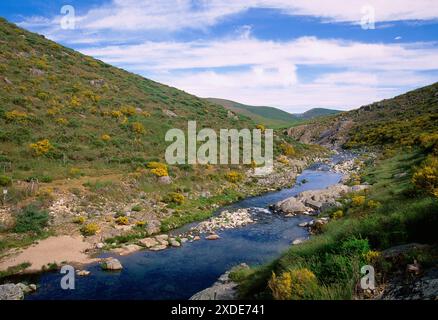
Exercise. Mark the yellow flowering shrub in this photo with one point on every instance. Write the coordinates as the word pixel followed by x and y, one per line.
pixel 62 121
pixel 138 128
pixel 105 137
pixel 287 149
pixel 158 169
pixel 358 201
pixel 74 172
pixel 373 204
pixel 16 115
pixel 128 110
pixel 176 197
pixel 123 221
pixel 90 229
pixel 140 223
pixel 261 127
pixel 372 256
pixel 41 147
pixel 297 284
pixel 426 177
pixel 116 114
pixel 234 176
pixel 52 111
pixel 79 220
pixel 75 102
pixel 337 214
pixel 283 159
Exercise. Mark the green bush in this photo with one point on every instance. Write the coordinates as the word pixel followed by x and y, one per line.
pixel 30 219
pixel 5 181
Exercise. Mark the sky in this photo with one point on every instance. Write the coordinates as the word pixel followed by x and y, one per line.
pixel 290 54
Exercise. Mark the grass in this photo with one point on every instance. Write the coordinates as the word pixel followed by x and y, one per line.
pixel 335 256
pixel 14 270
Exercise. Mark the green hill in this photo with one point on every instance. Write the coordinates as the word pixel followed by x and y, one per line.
pixel 316 112
pixel 269 116
pixel 78 131
pixel 400 121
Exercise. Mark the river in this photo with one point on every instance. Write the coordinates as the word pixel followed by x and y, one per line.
pixel 178 273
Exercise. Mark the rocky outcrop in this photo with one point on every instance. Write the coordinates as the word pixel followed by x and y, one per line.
pixel 111 264
pixel 223 289
pixel 225 220
pixel 291 206
pixel 11 291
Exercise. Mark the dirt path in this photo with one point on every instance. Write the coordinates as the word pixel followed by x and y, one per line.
pixel 54 249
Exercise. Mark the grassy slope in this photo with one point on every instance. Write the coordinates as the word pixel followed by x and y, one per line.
pixel 269 116
pixel 62 106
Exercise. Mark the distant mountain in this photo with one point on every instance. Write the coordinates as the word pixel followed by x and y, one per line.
pixel 316 112
pixel 269 116
pixel 403 120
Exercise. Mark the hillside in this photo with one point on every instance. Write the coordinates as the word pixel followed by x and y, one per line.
pixel 82 147
pixel 269 116
pixel 398 121
pixel 315 113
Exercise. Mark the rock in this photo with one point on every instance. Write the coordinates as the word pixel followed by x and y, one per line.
pixel 162 239
pixel 359 187
pixel 25 288
pixel 414 268
pixel 169 113
pixel 159 247
pixel 174 243
pixel 400 175
pixel 153 227
pixel 212 237
pixel 11 291
pixel 184 240
pixel 316 226
pixel 291 205
pixel 148 242
pixel 97 82
pixel 165 180
pixel 100 245
pixel 33 287
pixel 36 72
pixel 83 273
pixel 111 264
pixel 196 238
pixel 303 224
pixel 223 289
pixel 298 241
pixel 7 80
pixel 128 249
pixel 314 204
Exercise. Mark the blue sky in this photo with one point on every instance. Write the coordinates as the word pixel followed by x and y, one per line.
pixel 292 54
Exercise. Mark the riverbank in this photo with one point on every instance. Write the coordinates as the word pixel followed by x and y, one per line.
pixel 361 232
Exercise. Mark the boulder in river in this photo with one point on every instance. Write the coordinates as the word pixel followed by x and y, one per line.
pixel 290 206
pixel 111 264
pixel 212 237
pixel 148 242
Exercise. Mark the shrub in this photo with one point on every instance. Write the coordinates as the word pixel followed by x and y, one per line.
pixel 5 181
pixel 234 176
pixel 105 137
pixel 62 121
pixel 158 169
pixel 16 115
pixel 41 147
pixel 372 256
pixel 123 221
pixel 176 198
pixel 137 208
pixel 138 128
pixel 373 204
pixel 90 229
pixel 261 127
pixel 287 149
pixel 128 110
pixel 358 201
pixel 116 114
pixel 337 214
pixel 140 223
pixel 30 219
pixel 79 220
pixel 297 284
pixel 426 177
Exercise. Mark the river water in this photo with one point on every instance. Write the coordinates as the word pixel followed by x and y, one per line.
pixel 178 273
